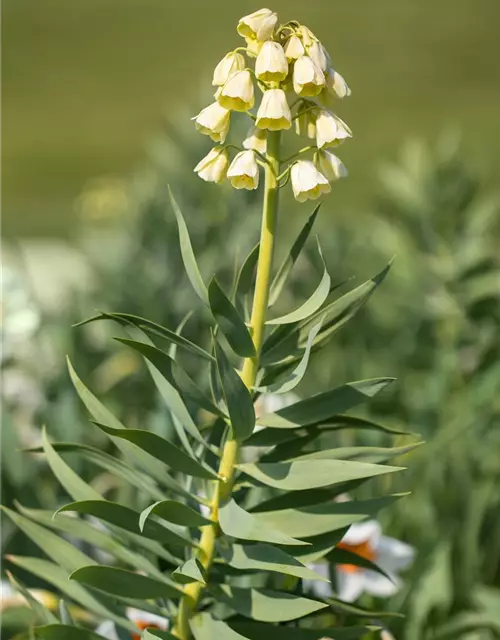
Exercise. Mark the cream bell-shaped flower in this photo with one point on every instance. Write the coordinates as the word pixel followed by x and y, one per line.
pixel 329 165
pixel 142 619
pixel 274 113
pixel 258 25
pixel 213 167
pixel 213 121
pixel 307 182
pixel 271 64
pixel 308 79
pixel 366 540
pixel 318 55
pixel 336 85
pixel 256 139
pixel 330 129
pixel 294 48
pixel 238 92
pixel 229 65
pixel 307 36
pixel 244 171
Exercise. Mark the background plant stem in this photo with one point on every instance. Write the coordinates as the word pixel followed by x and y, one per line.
pixel 229 456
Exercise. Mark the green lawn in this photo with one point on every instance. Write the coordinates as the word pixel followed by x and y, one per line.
pixel 86 83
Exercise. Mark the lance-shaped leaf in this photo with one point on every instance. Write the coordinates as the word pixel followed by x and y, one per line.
pixel 312 304
pixel 190 571
pixel 320 546
pixel 266 605
pixel 162 450
pixel 261 631
pixel 294 378
pixel 174 512
pixel 58 577
pixel 244 281
pixel 187 253
pixel 265 557
pixel 324 406
pixel 123 583
pixel 364 454
pixel 154 634
pixel 299 475
pixel 318 519
pixel 42 613
pixel 238 523
pixel 237 397
pixel 346 557
pixel 64 632
pixel 153 328
pixel 204 627
pixel 286 267
pixel 127 519
pixel 56 548
pixel 359 612
pixel 230 322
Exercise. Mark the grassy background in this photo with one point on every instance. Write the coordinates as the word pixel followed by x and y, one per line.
pixel 87 82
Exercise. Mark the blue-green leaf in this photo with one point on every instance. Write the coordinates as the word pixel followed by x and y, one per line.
pixel 244 281
pixel 187 252
pixel 204 627
pixel 174 512
pixel 230 322
pixel 190 571
pixel 261 631
pixel 42 613
pixel 65 632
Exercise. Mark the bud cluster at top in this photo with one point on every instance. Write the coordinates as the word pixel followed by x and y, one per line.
pixel 292 70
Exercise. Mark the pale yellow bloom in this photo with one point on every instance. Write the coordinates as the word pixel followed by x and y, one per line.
pixel 305 124
pixel 256 139
pixel 308 79
pixel 274 113
pixel 329 165
pixel 307 182
pixel 238 92
pixel 307 36
pixel 213 167
pixel 258 25
pixel 336 85
pixel 229 65
pixel 294 48
pixel 213 121
pixel 271 64
pixel 244 171
pixel 318 55
pixel 330 129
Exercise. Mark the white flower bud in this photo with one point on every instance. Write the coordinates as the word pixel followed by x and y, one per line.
pixel 271 64
pixel 318 55
pixel 329 165
pixel 294 48
pixel 274 113
pixel 229 65
pixel 256 139
pixel 238 93
pixel 330 129
pixel 336 85
pixel 307 182
pixel 213 167
pixel 258 25
pixel 213 121
pixel 305 123
pixel 244 171
pixel 308 79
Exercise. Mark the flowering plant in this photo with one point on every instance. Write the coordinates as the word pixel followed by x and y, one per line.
pixel 225 544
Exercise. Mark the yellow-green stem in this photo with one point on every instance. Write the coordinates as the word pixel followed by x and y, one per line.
pixel 230 451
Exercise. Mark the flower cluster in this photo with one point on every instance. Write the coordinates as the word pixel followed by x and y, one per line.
pixel 293 72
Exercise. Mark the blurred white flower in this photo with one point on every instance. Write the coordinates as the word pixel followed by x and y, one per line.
pixel 272 402
pixel 227 67
pixel 213 121
pixel 330 129
pixel 10 598
pixel 307 182
pixel 142 619
pixel 213 167
pixel 238 92
pixel 256 139
pixel 258 25
pixel 244 171
pixel 271 64
pixel 274 113
pixel 294 48
pixel 366 540
pixel 308 79
pixel 329 165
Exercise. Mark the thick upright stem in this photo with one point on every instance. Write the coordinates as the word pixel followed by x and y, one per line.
pixel 230 451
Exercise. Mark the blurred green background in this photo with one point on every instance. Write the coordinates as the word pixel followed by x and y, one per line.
pixel 87 82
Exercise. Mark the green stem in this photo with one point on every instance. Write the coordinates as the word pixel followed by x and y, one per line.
pixel 229 458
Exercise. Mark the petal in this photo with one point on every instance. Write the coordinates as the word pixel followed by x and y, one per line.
pixel 364 532
pixel 319 588
pixel 380 586
pixel 394 555
pixel 107 630
pixel 350 584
